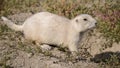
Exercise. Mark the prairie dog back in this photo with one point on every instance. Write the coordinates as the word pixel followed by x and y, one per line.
pixel 46 27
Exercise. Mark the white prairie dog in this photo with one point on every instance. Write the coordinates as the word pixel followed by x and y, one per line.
pixel 48 28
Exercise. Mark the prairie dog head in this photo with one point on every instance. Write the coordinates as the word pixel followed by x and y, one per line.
pixel 84 22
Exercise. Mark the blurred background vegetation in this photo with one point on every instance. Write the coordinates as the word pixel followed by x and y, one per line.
pixel 107 12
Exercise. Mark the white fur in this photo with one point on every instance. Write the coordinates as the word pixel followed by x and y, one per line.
pixel 45 47
pixel 48 28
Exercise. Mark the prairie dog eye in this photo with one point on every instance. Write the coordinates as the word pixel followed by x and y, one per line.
pixel 85 19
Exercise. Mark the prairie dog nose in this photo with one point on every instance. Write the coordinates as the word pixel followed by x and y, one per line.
pixel 95 23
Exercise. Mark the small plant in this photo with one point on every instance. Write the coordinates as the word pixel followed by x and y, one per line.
pixel 47 53
pixel 112 62
pixel 3 62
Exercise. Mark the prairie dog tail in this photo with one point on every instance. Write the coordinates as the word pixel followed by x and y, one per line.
pixel 11 25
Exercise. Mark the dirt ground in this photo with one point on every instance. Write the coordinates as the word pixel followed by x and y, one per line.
pixel 16 52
